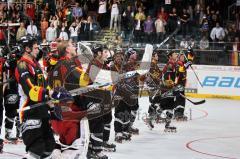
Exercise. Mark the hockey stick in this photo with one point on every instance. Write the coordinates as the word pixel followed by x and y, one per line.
pixel 144 68
pixel 196 75
pixel 80 91
pixel 195 103
pixel 194 72
pixel 159 46
pixel 167 38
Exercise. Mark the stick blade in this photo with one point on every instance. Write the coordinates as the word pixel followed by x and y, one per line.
pixel 199 102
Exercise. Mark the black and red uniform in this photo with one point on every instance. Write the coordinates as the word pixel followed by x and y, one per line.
pixel 181 77
pixel 67 73
pixel 131 85
pixel 36 132
pixel 122 109
pixel 11 100
pixel 168 78
pixel 100 126
pixel 154 81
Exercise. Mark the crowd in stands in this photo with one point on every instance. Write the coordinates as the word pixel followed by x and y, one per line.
pixel 150 22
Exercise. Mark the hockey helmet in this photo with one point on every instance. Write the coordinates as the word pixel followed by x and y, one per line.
pixel 27 41
pixel 97 48
pixel 130 52
pixel 169 53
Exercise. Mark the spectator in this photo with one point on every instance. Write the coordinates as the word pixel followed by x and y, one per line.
pixel 204 27
pixel 30 10
pixel 139 19
pixel 138 4
pixel 163 13
pixel 68 14
pixel 197 14
pixel 236 51
pixel 92 6
pixel 185 17
pixel 63 34
pixel 236 44
pixel 160 28
pixel 128 19
pixel 191 20
pixel 44 27
pixel 184 43
pixel 172 20
pixel 74 31
pixel 102 12
pixel 237 21
pixel 59 4
pixel 204 43
pixel 54 20
pixel 32 29
pixel 233 32
pixel 89 29
pixel 114 15
pixel 77 11
pixel 191 42
pixel 214 18
pixel 46 11
pixel 217 33
pixel 21 31
pixel 148 29
pixel 51 33
pixel 82 34
pixel 16 18
pixel 60 15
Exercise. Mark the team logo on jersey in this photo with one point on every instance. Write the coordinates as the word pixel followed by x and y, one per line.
pixel 11 99
pixel 55 73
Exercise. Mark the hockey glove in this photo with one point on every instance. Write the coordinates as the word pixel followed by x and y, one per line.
pixel 61 95
pixel 169 83
pixel 188 64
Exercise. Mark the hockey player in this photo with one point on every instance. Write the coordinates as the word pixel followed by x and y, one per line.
pixel 100 127
pixel 11 101
pixel 154 81
pixel 167 96
pixel 132 65
pixel 181 76
pixel 122 116
pixel 68 73
pixel 36 131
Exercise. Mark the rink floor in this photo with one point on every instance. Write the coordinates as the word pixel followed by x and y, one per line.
pixel 213 133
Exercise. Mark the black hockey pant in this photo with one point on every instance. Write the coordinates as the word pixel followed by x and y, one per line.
pixel 122 117
pixel 38 137
pixel 180 105
pixel 96 127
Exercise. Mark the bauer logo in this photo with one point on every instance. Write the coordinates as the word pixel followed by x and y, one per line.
pixel 217 81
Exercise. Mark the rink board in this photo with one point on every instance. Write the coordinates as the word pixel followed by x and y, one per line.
pixel 217 82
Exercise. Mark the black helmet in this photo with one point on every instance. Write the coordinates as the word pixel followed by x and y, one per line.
pixel 130 51
pixel 27 41
pixel 96 48
pixel 169 53
pixel 189 49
